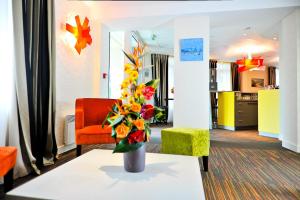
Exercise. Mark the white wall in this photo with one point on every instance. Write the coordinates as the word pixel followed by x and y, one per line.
pixel 191 104
pixel 290 81
pixel 298 74
pixel 76 75
pixel 104 60
pixel 247 76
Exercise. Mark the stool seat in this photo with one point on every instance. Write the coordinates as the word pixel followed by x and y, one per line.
pixel 8 156
pixel 186 141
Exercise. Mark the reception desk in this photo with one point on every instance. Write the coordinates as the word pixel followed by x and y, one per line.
pixel 269 113
pixel 237 111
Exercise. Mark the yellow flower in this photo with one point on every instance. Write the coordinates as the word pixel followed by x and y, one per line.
pixel 122 131
pixel 134 75
pixel 138 93
pixel 125 94
pixel 131 100
pixel 125 83
pixel 127 68
pixel 139 123
pixel 141 86
pixel 136 107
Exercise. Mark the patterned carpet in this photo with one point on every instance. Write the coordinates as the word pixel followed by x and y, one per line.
pixel 242 165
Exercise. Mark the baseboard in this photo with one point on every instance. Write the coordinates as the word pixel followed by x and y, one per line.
pixel 290 146
pixel 65 148
pixel 266 134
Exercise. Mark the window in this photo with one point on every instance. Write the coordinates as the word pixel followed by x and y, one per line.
pixel 224 76
pixel 277 77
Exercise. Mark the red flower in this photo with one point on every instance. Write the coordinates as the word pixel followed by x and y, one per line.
pixel 147 111
pixel 137 136
pixel 148 92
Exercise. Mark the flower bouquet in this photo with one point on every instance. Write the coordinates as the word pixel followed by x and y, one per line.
pixel 130 120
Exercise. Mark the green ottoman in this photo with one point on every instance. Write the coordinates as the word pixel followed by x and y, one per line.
pixel 186 141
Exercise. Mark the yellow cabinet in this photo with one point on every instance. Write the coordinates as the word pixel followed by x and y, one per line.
pixel 269 113
pixel 226 109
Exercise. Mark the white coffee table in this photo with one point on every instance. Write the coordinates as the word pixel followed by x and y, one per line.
pixel 99 174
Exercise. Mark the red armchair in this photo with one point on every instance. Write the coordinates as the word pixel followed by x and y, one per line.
pixel 89 115
pixel 8 157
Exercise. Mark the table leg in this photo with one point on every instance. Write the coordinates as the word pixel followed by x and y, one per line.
pixel 205 163
pixel 8 180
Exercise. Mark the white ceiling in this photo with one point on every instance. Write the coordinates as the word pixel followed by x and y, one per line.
pixel 227 32
pixel 107 10
pixel 228 21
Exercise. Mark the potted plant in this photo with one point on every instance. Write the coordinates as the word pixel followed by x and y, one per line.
pixel 130 120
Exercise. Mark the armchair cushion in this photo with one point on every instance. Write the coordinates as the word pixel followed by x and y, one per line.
pixel 89 115
pixel 94 134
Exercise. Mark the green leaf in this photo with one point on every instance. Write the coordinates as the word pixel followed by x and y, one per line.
pixel 148 130
pixel 115 108
pixel 125 147
pixel 106 119
pixel 113 133
pixel 153 83
pixel 129 57
pixel 158 109
pixel 116 121
pixel 159 116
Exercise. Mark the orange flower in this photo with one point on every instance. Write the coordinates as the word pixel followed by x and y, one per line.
pixel 135 107
pixel 139 90
pixel 122 131
pixel 139 123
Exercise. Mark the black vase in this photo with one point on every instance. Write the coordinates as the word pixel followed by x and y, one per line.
pixel 134 161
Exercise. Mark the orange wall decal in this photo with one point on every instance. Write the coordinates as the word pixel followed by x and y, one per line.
pixel 81 33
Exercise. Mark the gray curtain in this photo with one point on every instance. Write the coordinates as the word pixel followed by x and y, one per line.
pixel 213 96
pixel 235 77
pixel 31 126
pixel 160 71
pixel 272 76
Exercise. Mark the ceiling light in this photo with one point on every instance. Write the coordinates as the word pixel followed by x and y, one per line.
pixel 250 46
pixel 250 64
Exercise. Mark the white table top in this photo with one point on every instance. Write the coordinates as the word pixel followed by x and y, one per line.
pixel 99 174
